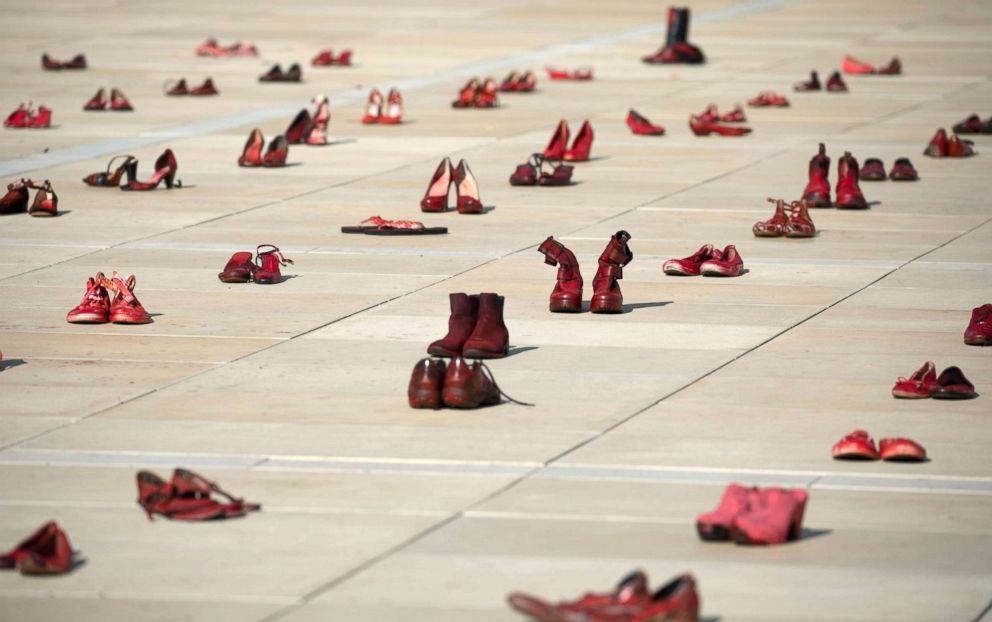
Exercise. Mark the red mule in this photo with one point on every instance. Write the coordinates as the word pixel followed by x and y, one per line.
pixel 559 142
pixel 424 390
pixel 165 171
pixel 436 197
pixel 639 124
pixel 775 517
pixel 239 268
pixel 125 308
pixel 919 385
pixel 579 152
pixel 858 445
pixel 267 265
pixel 467 198
pixel 817 191
pixel 566 297
pixel 848 191
pixel 490 338
pixel 461 323
pixel 606 294
pixel 952 385
pixel 95 306
pixel 47 551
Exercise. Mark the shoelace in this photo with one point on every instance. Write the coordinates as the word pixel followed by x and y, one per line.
pixel 489 373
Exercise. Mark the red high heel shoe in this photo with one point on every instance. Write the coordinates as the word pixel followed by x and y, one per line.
pixel 251 155
pixel 466 97
pixel 466 190
pixel 20 118
pixel 343 59
pixel 322 111
pixel 436 197
pixel 275 155
pixel 581 146
pixel 267 265
pixel 516 82
pixel 639 124
pixel 582 73
pixel 835 84
pixel 50 64
pixel 176 88
pixel 486 97
pixel 324 58
pixel 165 170
pixel 394 109
pixel 46 551
pixel 41 120
pixel 535 173
pixel 373 110
pixel 700 127
pixel 299 127
pixel 97 102
pixel 559 142
pixel 207 88
pixel 46 202
pixel 715 526
pixel 118 102
pixel 813 84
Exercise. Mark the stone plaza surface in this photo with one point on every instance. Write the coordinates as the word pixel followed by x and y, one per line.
pixel 295 395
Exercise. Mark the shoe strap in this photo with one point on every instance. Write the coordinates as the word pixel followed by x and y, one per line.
pixel 274 251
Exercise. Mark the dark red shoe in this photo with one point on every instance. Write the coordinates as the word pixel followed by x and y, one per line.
pixel 559 142
pixel 274 74
pixel 677 48
pixel 466 97
pixel 343 59
pixel 903 170
pixel 835 84
pixel 436 197
pixel 267 264
pixel 715 526
pixel 901 450
pixel 275 155
pixel 632 591
pixel 894 68
pixel 775 517
pixel 724 263
pixel 207 88
pixel 490 338
pixel 956 147
pixel 768 99
pixel 774 227
pixel 579 152
pixel 690 266
pixel 118 102
pixel 20 118
pixel 174 89
pixel 873 170
pixel 952 385
pixel 813 84
pixel 16 199
pixel 188 496
pixel 299 128
pixel 606 294
pixel 41 120
pixel 640 125
pixel 46 202
pixel 734 116
pixel 486 95
pixel 677 601
pixel 50 64
pixel 239 268
pixel 710 115
pixel 971 125
pixel 817 192
pixel 293 74
pixel 95 306
pixel 251 155
pixel 165 171
pixel 424 390
pixel 78 62
pixel 848 192
pixel 461 323
pixel 700 127
pixel 373 110
pixel 553 172
pixel 125 308
pixel 920 385
pixel 800 224
pixel 938 145
pixel 857 445
pixel 323 59
pixel 979 331
pixel 97 102
pixel 46 551
pixel 567 294
pixel 466 190
pixel 468 386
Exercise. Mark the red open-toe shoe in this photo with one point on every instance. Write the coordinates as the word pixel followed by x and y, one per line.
pixel 373 110
pixel 46 202
pixel 267 264
pixel 108 179
pixel 165 171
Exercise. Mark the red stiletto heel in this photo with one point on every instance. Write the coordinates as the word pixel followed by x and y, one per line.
pixel 46 202
pixel 275 155
pixel 322 113
pixel 373 112
pixel 559 142
pixel 106 179
pixel 486 96
pixel 299 128
pixel 165 170
pixel 394 109
pixel 252 153
pixel 177 88
pixel 467 190
pixel 583 143
pixel 118 102
pixel 466 97
pixel 267 265
pixel 97 102
pixel 436 197
pixel 207 88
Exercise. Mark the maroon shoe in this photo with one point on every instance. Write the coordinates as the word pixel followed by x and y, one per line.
pixel 631 591
pixel 579 152
pixel 46 202
pixel 424 390
pixel 207 88
pixel 952 385
pixel 46 551
pixel 97 102
pixel 188 496
pixel 903 170
pixel 800 224
pixel 873 170
pixel 677 48
pixel 239 268
pixel 716 525
pixel 166 167
pixel 553 172
pixel 689 266
pixel 324 58
pixel 78 62
pixel 606 294
pixel 95 306
pixel 118 102
pixel 971 125
pixel 918 386
pixel 958 148
pixel 108 179
pixel 894 68
pixel 559 142
pixel 490 338
pixel 813 84
pixel 901 450
pixel 727 263
pixel 20 118
pixel 567 294
pixel 251 155
pixel 677 601
pixel 979 331
pixel 767 99
pixel 466 96
pixel 468 386
pixel 276 154
pixel 775 517
pixel 640 125
pixel 16 199
pixel 267 264
pixel 700 127
pixel 938 145
pixel 526 174
pixel 299 128
pixel 125 308
pixel 50 64
pixel 436 197
pixel 461 323
pixel 274 74
pixel 848 191
pixel 835 84
pixel 174 89
pixel 817 192
pixel 466 190
pixel 858 445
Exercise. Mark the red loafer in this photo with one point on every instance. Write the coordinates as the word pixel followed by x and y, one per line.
pixel 917 386
pixel 857 445
pixel 690 266
pixel 952 385
pixel 901 450
pixel 729 263
pixel 979 331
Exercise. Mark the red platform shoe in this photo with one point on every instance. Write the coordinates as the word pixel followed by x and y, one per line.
pixel 835 83
pixel 466 97
pixel 606 294
pixel 424 390
pixel 125 308
pixel 95 306
pixel 468 386
pixel 579 152
pixel 817 192
pixel 813 84
pixel 716 525
pixel 774 517
pixel 917 386
pixel 727 263
pixel 436 197
pixel 901 450
pixel 700 127
pixel 251 155
pixel 690 266
pixel 205 89
pixel 486 95
pixel 873 170
pixel 857 445
pixel 46 551
pixel 979 331
pixel 394 109
pixel 97 102
pixel 16 199
pixel 951 384
pixel 267 264
pixel 46 202
pixel 461 323
pixel 108 179
pixel 903 170
pixel 239 268
pixel 373 110
pixel 466 190
pixel 677 48
pixel 20 118
pixel 118 102
pixel 848 191
pixel 559 142
pixel 165 171
pixel 490 338
pixel 567 294
pixel 639 124
pixel 767 99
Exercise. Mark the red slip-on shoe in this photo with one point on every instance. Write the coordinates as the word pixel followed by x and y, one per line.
pixel 50 64
pixel 207 88
pixel 19 118
pixel 901 450
pixel 813 84
pixel 979 331
pixel 835 84
pixel 490 338
pixel 47 551
pixel 629 596
pixel 174 89
pixel 486 96
pixel 857 445
pixel 774 518
pixel 299 127
pixel 125 308
pixel 703 128
pixel 715 526
pixel 971 125
pixel 800 224
pixel 267 264
pixel 952 385
pixel 393 114
pixel 817 191
pixel 894 68
pixel 566 297
pixel 436 197
pixel 606 294
pixel 553 172
pixel 468 386
pixel 16 199
pixel 97 102
pixel 461 323
pixel 854 66
pixel 677 601
pixel 873 170
pixel 729 263
pixel 640 125
pixel 848 192
pixel 118 102
pixel 579 152
pixel 239 268
pixel 917 386
pixel 559 142
pixel 467 199
pixel 767 99
pixel 774 227
pixel 424 390
pixel 95 306
pixel 275 155
pixel 903 170
pixel 937 147
pixel 466 96
pixel 251 155
pixel 323 58
pixel 46 202
pixel 956 147
pixel 43 118
pixel 734 116
pixel 689 266
pixel 166 167
pixel 373 110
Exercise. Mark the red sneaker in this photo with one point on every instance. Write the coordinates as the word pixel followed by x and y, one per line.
pixel 857 445
pixel 774 517
pixel 848 191
pixel 125 307
pixel 835 84
pixel 716 525
pixel 901 450
pixel 46 551
pixel 952 385
pixel 436 197
pixel 95 306
pixel 768 98
pixel 729 263
pixel 640 125
pixel 979 331
pixel 903 170
pixel 917 386
pixel 937 148
pixel 854 66
pixel 631 591
pixel 559 142
pixel 424 390
pixel 689 266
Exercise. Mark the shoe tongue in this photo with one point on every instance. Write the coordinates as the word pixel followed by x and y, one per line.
pixel 632 587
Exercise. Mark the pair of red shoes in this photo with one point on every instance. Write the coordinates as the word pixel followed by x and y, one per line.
pixel 835 84
pixel 973 125
pixel 187 497
pixel 212 48
pixel 979 331
pixel 390 113
pixel 117 103
pixel 817 191
pixel 467 199
pixel 276 74
pixel 180 88
pixel 46 551
pixel 792 221
pixel 97 307
pixel 566 297
pixel 639 124
pixel 46 202
pixel 755 516
pixel 767 99
pixel 476 94
pixel 165 171
pixel 859 445
pixel 581 73
pixel 475 328
pixel 517 82
pixel 854 66
pixel 25 117
pixel 902 170
pixel 707 261
pixel 457 384
pixel 951 384
pixel 274 157
pixel 78 62
pixel 558 148
pixel 710 121
pixel 941 146
pixel 677 48
pixel 630 601
pixel 326 58
pixel 307 129
pixel 264 269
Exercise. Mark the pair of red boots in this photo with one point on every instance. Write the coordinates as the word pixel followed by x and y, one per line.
pixel 273 157
pixel 97 307
pixel 558 148
pixel 707 261
pixel 46 202
pixel 951 384
pixel 567 294
pixel 848 192
pixel 467 199
pixel 46 551
pixel 941 146
pixel 456 384
pixel 117 102
pixel 180 88
pixel 187 496
pixel 755 516
pixel 859 445
pixel 264 270
pixel 475 328
pixel 26 117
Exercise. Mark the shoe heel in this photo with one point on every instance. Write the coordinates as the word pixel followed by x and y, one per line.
pixel 796 526
pixel 605 305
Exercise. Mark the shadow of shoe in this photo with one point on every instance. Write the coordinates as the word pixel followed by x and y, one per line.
pixel 8 363
pixel 645 305
pixel 809 534
pixel 514 350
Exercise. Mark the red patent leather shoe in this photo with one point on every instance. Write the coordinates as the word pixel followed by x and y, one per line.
pixel 125 308
pixel 299 128
pixel 486 96
pixel 118 102
pixel 606 294
pixel 165 171
pixel 917 386
pixel 640 125
pixel 835 83
pixel 468 386
pixel 817 191
pixel 46 202
pixel 813 84
pixel 275 155
pixel 774 517
pixel 20 118
pixel 490 338
pixel 952 385
pixel 704 128
pixel 559 142
pixel 95 306
pixel 979 331
pixel 937 148
pixel 393 114
pixel 690 266
pixel 956 147
pixel 582 73
pixel 873 170
pixel 174 89
pixel 579 151
pixel 41 120
pixel 715 526
pixel 857 445
pixel 251 155
pixel 424 390
pixel 848 192
pixel 373 110
pixel 466 97
pixel 774 227
pixel 727 263
pixel 187 496
pixel 47 551
pixel 566 297
pixel 267 264
pixel 903 170
pixel 16 199
pixel 894 68
pixel 854 66
pixel 461 323
pixel 901 450
pixel 97 102
pixel 767 99
pixel 466 190
pixel 734 116
pixel 436 197
pixel 205 89
pixel 239 268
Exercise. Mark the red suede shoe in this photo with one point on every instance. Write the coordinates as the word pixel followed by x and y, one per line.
pixel 466 190
pixel 767 99
pixel 466 97
pixel 567 294
pixel 166 167
pixel 937 148
pixel 436 197
pixel 813 84
pixel 486 96
pixel 47 551
pixel 41 120
pixel 901 450
pixel 97 102
pixel 956 147
pixel 979 331
pixel 917 386
pixel 734 116
pixel 468 386
pixel 424 390
pixel 774 227
pixel 46 202
pixel 857 445
pixel 854 66
pixel 606 294
pixel 873 170
pixel 631 591
pixel 251 155
pixel 775 517
pixel 373 110
pixel 125 307
pixel 848 191
pixel 716 526
pixel 20 118
pixel 278 151
pixel 835 84
pixel 174 89
pixel 490 338
pixel 118 102
pixel 239 268
pixel 704 128
pixel 817 191
pixel 16 199
pixel 394 109
pixel 559 142
pixel 971 125
pixel 894 68
pixel 640 125
pixel 689 266
pixel 461 323
pixel 903 170
pixel 579 152
pixel 205 89
pixel 267 264
pixel 952 385
pixel 188 496
pixel 728 263
pixel 95 306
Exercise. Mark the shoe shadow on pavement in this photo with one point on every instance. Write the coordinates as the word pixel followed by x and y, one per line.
pixel 809 534
pixel 8 363
pixel 514 350
pixel 639 305
pixel 486 208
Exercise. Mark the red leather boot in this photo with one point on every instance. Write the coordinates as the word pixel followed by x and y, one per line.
pixel 677 48
pixel 567 294
pixel 817 192
pixel 776 516
pixel 489 339
pixel 606 296
pixel 468 386
pixel 461 323
pixel 848 191
pixel 424 390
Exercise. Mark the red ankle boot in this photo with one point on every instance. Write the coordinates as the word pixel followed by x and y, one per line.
pixel 776 516
pixel 606 296
pixel 490 338
pixel 424 390
pixel 817 192
pixel 716 525
pixel 468 386
pixel 567 294
pixel 848 191
pixel 461 323
pixel 46 551
pixel 677 48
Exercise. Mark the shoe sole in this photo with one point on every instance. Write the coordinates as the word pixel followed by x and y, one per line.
pixel 89 319
pixel 952 395
pixel 564 306
pixel 458 398
pixel 980 341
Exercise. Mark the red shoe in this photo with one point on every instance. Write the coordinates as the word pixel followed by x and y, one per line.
pixel 768 98
pixel 173 89
pixel 466 190
pixel 118 102
pixel 50 64
pixel 373 111
pixel 207 88
pixel 582 73
pixel 606 294
pixel 468 386
pixel 873 170
pixel 813 84
pixel 125 307
pixel 579 151
pixel 901 450
pixel 776 516
pixel 46 551
pixel 436 197
pixel 187 497
pixel 239 268
pixel 835 84
pixel 938 145
pixel 710 115
pixel 774 227
pixel 209 48
pixel 241 49
pixel 979 331
pixel 275 155
pixel 16 199
pixel 43 119
pixel 676 601
pixel 971 125
pixel 424 390
pixel 276 74
pixel 97 102
pixel 535 173
pixel 734 116
pixel 46 202
pixel 800 224
pixel 559 142
pixel 394 109
pixel 727 263
pixel 703 128
pixel 848 191
pixel 323 58
pixel 917 386
pixel 894 68
pixel 677 48
pixel 519 83
pixel 903 170
pixel 510 83
pixel 817 192
pixel 322 111
pixel 490 338
pixel 854 66
pixel 952 385
pixel 857 445
pixel 343 59
pixel 267 265
pixel 716 525
pixel 486 97
pixel 95 306
pixel 314 135
pixel 299 128
pixel 461 323
pixel 690 266
pixel 165 170
pixel 20 118
pixel 567 294
pixel 640 125
pixel 631 591
pixel 251 155
pixel 466 97
pixel 956 148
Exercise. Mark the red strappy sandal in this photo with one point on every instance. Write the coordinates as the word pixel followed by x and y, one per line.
pixel 267 265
